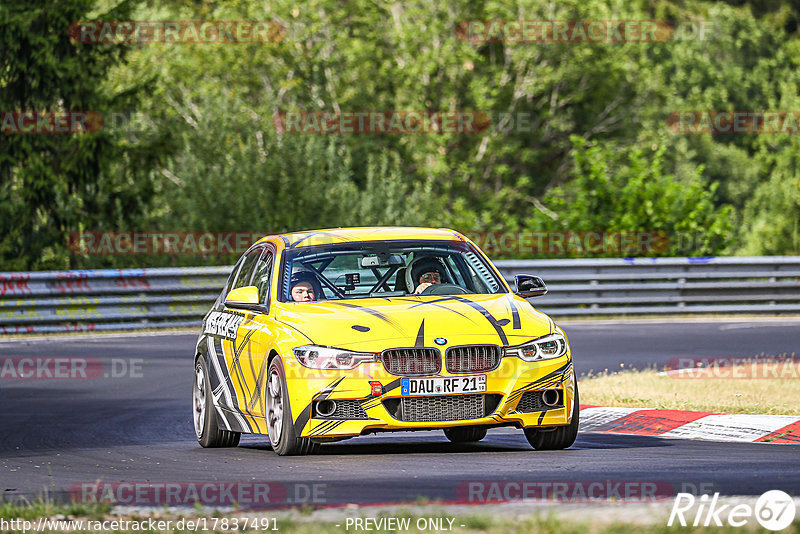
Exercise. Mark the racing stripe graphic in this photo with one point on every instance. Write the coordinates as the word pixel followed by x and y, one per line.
pixel 496 323
pixel 329 427
pixel 514 314
pixel 219 391
pixel 223 391
pixel 552 379
pixel 325 393
pixel 258 397
pixel 326 427
pixel 392 385
pixel 292 325
pixel 258 394
pixel 489 317
pixel 541 418
pixel 227 385
pixel 436 304
pixel 369 404
pixel 538 385
pixel 215 352
pixel 213 377
pixel 420 342
pixel 225 376
pixel 371 401
pixel 302 419
pixel 236 364
pixel 320 428
pixel 335 426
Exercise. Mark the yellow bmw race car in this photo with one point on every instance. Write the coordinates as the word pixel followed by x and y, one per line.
pixel 331 334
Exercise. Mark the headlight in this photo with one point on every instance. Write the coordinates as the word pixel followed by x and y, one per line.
pixel 329 358
pixel 544 348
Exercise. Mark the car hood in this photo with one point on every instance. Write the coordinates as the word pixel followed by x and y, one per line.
pixel 374 324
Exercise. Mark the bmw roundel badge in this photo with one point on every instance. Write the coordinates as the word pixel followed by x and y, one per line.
pixel 440 340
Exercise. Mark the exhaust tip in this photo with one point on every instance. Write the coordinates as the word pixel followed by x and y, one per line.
pixel 326 407
pixel 550 397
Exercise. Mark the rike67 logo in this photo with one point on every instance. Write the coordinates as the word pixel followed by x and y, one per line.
pixel 774 510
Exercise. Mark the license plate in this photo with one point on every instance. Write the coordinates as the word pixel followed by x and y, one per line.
pixel 443 385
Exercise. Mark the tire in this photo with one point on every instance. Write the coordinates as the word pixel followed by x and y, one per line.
pixel 560 438
pixel 280 424
pixel 204 416
pixel 465 434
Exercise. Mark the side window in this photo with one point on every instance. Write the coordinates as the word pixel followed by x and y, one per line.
pixel 243 277
pixel 263 276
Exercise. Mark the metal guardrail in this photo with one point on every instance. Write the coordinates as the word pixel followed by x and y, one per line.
pixel 645 286
pixel 107 299
pixel 128 299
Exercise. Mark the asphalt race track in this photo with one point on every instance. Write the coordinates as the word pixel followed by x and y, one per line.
pixel 55 434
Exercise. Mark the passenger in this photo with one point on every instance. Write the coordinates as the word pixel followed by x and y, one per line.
pixel 304 287
pixel 302 292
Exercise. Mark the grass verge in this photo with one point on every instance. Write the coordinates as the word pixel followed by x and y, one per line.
pixel 545 522
pixel 43 508
pixel 745 388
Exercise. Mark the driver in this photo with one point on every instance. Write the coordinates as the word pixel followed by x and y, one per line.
pixel 427 272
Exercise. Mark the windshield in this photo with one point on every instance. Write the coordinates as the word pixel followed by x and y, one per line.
pixel 385 269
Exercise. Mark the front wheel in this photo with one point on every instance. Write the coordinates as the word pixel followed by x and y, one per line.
pixel 205 416
pixel 560 438
pixel 280 427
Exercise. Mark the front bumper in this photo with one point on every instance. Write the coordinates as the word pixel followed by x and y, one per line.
pixel 509 390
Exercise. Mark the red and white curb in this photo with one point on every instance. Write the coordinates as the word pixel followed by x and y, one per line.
pixel 691 425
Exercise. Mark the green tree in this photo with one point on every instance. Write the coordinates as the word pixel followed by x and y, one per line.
pixel 55 184
pixel 626 189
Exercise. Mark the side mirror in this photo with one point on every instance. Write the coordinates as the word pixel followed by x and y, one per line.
pixel 245 298
pixel 529 286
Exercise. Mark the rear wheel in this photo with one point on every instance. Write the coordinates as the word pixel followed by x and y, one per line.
pixel 560 438
pixel 280 427
pixel 465 434
pixel 205 416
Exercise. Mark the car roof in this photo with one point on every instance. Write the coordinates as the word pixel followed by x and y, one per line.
pixel 367 233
